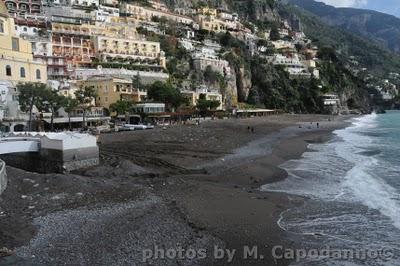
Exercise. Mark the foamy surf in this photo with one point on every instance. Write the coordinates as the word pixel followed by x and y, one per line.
pixel 353 183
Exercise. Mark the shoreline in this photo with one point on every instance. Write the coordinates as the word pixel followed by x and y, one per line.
pixel 223 208
pixel 245 191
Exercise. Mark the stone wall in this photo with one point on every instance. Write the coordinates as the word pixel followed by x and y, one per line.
pixel 3 177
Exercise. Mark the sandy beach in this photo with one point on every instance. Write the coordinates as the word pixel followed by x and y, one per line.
pixel 188 187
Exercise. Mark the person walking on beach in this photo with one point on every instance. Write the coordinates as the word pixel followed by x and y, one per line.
pixel 317 125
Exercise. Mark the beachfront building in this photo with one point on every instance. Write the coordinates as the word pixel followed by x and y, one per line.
pixel 149 13
pixel 94 116
pixel 209 94
pixel 148 108
pixel 129 51
pixel 331 103
pixel 11 117
pixel 17 63
pixel 111 89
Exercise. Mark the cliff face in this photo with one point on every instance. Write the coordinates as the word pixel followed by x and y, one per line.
pixel 243 83
pixel 230 92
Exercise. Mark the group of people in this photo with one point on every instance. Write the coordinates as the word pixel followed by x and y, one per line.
pixel 310 126
pixel 250 129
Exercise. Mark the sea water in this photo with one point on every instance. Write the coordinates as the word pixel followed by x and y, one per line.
pixel 353 187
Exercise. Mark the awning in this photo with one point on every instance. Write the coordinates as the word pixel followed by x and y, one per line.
pixel 63 120
pixel 256 111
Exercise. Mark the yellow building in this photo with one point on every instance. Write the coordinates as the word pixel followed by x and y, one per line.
pixel 111 89
pixel 16 58
pixel 207 11
pixel 74 41
pixel 147 13
pixel 215 24
pixel 139 52
pixel 211 95
pixel 211 23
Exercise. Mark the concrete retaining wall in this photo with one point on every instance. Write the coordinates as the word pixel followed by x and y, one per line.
pixel 53 161
pixel 3 177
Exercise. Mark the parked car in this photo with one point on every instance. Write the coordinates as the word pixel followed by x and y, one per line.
pixel 126 127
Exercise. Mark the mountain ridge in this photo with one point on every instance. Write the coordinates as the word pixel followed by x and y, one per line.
pixel 379 27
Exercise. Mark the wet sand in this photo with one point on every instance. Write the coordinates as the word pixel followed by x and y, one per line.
pixel 186 186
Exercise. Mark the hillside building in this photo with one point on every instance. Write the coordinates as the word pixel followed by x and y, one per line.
pixel 111 89
pixel 16 59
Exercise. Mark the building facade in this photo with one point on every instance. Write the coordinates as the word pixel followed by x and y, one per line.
pixel 148 13
pixel 111 89
pixel 16 59
pixel 129 51
pixel 24 6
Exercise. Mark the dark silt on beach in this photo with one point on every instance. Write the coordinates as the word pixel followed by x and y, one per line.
pixel 188 186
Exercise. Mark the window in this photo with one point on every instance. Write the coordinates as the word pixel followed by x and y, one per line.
pixel 8 70
pixel 1 26
pixel 25 29
pixel 15 44
pixel 38 74
pixel 22 72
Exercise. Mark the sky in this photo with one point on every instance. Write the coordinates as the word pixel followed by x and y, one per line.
pixel 387 6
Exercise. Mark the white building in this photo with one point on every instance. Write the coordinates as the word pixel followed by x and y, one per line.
pixel 103 13
pixel 87 3
pixel 149 108
pixel 208 93
pixel 146 77
pixel 202 61
pixel 10 114
pixel 292 65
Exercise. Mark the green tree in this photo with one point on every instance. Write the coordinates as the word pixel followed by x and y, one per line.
pixel 211 76
pixel 70 104
pixel 53 101
pixel 166 93
pixel 204 105
pixel 274 35
pixel 85 97
pixel 137 81
pixel 121 107
pixel 30 95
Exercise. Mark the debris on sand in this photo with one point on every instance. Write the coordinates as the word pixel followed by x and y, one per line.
pixel 5 252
